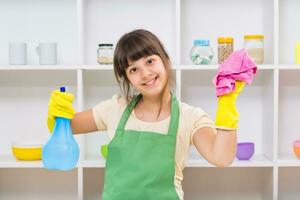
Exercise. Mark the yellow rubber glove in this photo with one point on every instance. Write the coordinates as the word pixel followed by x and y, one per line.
pixel 60 105
pixel 227 115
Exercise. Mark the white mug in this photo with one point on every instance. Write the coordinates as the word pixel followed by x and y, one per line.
pixel 47 53
pixel 17 53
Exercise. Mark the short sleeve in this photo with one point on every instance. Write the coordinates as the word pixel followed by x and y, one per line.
pixel 200 120
pixel 104 111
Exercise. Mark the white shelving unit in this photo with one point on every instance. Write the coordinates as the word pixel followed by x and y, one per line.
pixel 268 108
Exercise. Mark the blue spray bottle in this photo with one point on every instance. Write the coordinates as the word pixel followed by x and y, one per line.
pixel 61 152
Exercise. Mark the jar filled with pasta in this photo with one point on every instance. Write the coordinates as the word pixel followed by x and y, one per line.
pixel 225 48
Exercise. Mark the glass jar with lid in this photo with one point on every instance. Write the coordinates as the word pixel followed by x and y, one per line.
pixel 201 53
pixel 105 53
pixel 225 48
pixel 254 44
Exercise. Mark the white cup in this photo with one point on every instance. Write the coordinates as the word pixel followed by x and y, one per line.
pixel 17 53
pixel 47 53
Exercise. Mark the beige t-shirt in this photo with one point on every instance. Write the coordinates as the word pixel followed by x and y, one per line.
pixel 108 113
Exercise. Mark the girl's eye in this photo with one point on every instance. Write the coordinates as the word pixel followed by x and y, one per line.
pixel 150 61
pixel 132 70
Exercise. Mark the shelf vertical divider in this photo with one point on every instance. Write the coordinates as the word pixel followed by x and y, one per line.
pixel 80 183
pixel 178 32
pixel 276 115
pixel 80 92
pixel 80 137
pixel 275 136
pixel 178 46
pixel 80 88
pixel 276 99
pixel 276 32
pixel 275 183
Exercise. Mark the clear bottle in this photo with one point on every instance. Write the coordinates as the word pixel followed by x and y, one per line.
pixel 225 48
pixel 201 53
pixel 105 54
pixel 254 44
pixel 61 152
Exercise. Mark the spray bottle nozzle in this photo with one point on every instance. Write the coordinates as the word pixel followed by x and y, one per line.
pixel 63 89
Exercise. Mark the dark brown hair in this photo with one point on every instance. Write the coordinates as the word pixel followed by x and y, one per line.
pixel 132 46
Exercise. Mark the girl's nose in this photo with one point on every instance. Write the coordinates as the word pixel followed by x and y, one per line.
pixel 145 72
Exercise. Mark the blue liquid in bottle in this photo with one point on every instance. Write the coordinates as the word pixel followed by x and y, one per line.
pixel 61 152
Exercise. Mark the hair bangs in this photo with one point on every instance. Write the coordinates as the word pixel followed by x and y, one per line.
pixel 137 48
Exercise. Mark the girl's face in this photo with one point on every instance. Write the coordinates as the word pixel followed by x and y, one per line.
pixel 147 75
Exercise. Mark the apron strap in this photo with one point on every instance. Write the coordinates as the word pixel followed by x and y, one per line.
pixel 127 112
pixel 174 121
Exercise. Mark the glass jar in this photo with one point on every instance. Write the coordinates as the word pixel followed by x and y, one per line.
pixel 254 44
pixel 225 48
pixel 105 54
pixel 201 53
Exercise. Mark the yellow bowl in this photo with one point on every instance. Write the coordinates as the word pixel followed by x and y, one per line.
pixel 27 152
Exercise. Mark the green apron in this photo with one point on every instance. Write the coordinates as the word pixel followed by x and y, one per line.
pixel 140 165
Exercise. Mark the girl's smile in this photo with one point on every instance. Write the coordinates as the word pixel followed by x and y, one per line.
pixel 151 82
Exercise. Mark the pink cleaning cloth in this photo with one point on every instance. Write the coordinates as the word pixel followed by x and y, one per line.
pixel 238 66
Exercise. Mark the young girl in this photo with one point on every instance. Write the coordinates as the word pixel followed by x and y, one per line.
pixel 150 131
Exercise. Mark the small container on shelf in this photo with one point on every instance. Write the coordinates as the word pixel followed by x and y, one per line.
pixel 297 53
pixel 296 148
pixel 225 48
pixel 254 44
pixel 104 150
pixel 245 150
pixel 27 150
pixel 105 54
pixel 201 53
